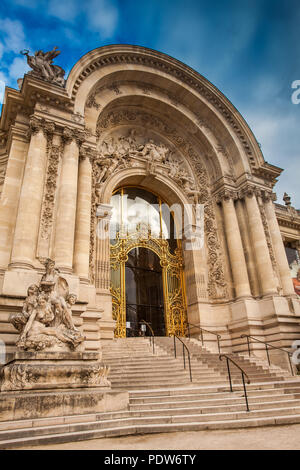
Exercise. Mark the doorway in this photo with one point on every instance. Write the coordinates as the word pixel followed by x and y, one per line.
pixel 144 293
pixel 146 262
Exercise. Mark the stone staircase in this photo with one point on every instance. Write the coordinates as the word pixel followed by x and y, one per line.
pixel 256 369
pixel 162 398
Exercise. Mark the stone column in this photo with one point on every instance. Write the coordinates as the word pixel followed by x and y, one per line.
pixel 11 192
pixel 29 211
pixel 83 218
pixel 279 251
pixel 246 240
pixel 235 248
pixel 67 200
pixel 259 242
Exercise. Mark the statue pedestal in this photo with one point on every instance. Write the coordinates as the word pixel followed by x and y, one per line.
pixel 56 384
pixel 53 370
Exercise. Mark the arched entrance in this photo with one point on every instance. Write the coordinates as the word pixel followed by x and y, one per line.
pixel 146 262
pixel 144 292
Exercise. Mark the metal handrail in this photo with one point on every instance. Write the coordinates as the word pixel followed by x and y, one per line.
pixel 243 375
pixel 267 345
pixel 184 346
pixel 207 331
pixel 152 333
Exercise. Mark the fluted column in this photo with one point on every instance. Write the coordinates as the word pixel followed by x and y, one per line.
pixel 259 242
pixel 11 192
pixel 67 199
pixel 29 211
pixel 235 248
pixel 246 240
pixel 279 251
pixel 83 218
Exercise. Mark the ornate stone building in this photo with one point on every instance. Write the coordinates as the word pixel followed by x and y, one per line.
pixel 133 124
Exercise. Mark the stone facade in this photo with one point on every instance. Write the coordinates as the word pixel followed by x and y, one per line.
pixel 56 182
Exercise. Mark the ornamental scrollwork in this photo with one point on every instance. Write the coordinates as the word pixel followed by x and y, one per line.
pixel 54 152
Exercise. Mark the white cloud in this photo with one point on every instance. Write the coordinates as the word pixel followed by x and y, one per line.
pixel 18 68
pixel 3 82
pixel 1 50
pixel 14 37
pixel 99 15
pixel 279 136
pixel 102 16
pixel 66 10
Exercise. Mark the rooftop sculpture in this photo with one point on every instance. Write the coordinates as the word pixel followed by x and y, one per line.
pixel 42 65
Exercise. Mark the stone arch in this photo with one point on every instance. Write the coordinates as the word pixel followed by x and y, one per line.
pixel 121 63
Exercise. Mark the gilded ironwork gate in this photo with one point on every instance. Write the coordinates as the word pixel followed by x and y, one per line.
pixel 173 281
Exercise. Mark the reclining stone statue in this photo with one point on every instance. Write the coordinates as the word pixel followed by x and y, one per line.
pixel 46 322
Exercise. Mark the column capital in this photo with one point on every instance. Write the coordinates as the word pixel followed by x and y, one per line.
pixel 268 196
pixel 249 191
pixel 72 134
pixel 87 153
pixel 37 124
pixel 226 194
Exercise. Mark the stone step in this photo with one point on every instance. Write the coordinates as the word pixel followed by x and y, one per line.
pixel 237 405
pixel 148 429
pixel 213 401
pixel 163 369
pixel 156 373
pixel 291 385
pixel 88 430
pixel 215 396
pixel 175 395
pixel 132 360
pixel 131 382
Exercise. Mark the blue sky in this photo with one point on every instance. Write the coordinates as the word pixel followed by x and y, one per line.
pixel 249 49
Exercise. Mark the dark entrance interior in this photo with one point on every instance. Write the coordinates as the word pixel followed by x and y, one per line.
pixel 144 292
